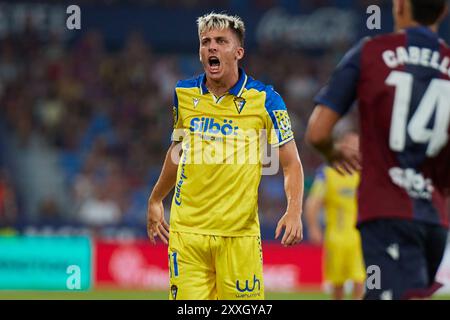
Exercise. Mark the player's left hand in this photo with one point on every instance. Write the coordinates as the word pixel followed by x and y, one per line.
pixel 293 233
pixel 345 159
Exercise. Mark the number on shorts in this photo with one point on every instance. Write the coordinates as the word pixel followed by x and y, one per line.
pixel 175 264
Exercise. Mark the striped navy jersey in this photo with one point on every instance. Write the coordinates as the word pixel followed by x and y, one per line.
pixel 401 82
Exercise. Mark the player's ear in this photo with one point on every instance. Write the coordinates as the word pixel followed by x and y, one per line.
pixel 443 14
pixel 399 7
pixel 239 53
pixel 399 12
pixel 200 49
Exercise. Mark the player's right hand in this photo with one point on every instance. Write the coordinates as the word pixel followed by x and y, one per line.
pixel 156 224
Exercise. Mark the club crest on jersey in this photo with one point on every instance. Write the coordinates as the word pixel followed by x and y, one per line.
pixel 196 101
pixel 239 103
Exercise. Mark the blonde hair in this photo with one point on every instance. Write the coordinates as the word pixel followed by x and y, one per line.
pixel 221 21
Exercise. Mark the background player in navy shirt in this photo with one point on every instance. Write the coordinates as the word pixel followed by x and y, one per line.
pixel 401 82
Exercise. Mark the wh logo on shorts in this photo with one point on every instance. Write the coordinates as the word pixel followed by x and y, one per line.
pixel 247 288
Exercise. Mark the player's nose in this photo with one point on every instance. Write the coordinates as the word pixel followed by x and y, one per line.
pixel 212 47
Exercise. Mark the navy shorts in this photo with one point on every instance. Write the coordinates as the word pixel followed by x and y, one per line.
pixel 407 255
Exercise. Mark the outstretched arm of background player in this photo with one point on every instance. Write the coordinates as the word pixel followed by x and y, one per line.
pixel 312 211
pixel 293 185
pixel 156 224
pixel 341 157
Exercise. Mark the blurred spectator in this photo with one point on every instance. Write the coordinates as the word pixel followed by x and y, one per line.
pixel 100 210
pixel 50 214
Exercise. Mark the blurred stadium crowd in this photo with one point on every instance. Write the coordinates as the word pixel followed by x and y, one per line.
pixel 84 129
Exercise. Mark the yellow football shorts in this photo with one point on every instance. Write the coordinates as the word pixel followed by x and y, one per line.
pixel 343 259
pixel 211 267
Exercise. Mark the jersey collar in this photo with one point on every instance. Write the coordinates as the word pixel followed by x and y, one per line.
pixel 236 90
pixel 424 30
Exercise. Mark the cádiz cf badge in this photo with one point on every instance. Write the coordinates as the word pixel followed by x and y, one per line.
pixel 239 103
pixel 174 291
pixel 196 101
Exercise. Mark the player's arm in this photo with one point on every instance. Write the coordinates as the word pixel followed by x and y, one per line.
pixel 341 157
pixel 293 185
pixel 333 102
pixel 313 206
pixel 156 224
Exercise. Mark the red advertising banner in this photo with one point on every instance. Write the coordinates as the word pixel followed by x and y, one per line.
pixel 292 268
pixel 133 265
pixel 138 265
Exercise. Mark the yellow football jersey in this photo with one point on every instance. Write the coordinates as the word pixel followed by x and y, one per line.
pixel 216 190
pixel 339 195
pixel 342 242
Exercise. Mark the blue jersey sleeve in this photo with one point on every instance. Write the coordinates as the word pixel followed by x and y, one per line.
pixel 340 92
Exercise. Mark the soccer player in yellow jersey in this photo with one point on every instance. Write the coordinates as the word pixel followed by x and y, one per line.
pixel 336 194
pixel 214 244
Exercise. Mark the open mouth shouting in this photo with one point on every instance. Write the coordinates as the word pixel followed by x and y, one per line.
pixel 214 64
